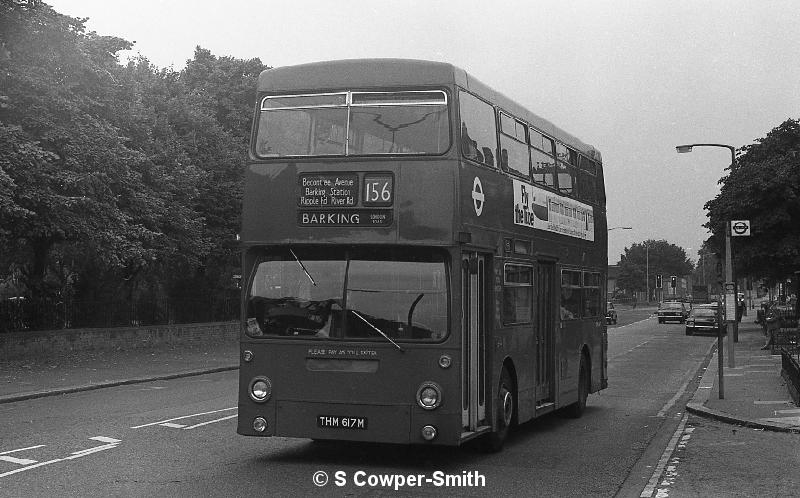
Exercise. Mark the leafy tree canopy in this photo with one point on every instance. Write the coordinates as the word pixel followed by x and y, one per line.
pixel 763 187
pixel 651 258
pixel 118 177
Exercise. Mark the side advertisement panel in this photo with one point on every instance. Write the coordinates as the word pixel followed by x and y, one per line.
pixel 535 207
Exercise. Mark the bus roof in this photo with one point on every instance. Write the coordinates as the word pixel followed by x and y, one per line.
pixel 362 74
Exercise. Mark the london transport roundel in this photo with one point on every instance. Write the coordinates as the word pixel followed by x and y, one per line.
pixel 477 196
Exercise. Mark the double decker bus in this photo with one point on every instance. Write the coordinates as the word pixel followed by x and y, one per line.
pixel 424 259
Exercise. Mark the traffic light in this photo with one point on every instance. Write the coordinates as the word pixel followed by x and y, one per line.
pixel 658 281
pixel 673 281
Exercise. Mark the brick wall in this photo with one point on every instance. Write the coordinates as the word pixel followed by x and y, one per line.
pixel 57 342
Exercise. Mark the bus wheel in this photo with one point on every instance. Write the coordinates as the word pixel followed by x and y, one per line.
pixel 576 409
pixel 505 413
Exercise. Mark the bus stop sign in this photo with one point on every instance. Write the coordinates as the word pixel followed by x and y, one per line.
pixel 740 228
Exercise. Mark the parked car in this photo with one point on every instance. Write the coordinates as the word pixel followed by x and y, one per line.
pixel 611 313
pixel 671 311
pixel 713 306
pixel 704 319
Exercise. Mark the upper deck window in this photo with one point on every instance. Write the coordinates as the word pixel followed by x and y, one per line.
pixel 353 124
pixel 514 154
pixel 478 129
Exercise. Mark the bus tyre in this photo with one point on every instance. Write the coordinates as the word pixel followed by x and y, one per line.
pixel 576 409
pixel 505 413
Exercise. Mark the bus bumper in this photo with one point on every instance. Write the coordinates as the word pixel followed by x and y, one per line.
pixel 395 423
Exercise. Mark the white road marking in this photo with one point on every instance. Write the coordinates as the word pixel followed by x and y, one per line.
pixel 209 422
pixel 662 463
pixel 89 451
pixel 181 418
pixel 782 402
pixel 18 461
pixel 674 399
pixel 73 455
pixel 104 439
pixel 22 449
pixel 795 410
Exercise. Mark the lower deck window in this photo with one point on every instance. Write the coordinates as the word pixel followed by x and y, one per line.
pixel 517 294
pixel 570 294
pixel 581 294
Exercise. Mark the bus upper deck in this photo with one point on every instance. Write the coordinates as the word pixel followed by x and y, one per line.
pixel 370 150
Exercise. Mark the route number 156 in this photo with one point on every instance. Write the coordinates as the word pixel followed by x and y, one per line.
pixel 378 190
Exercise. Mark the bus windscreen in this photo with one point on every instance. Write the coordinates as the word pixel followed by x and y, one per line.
pixel 348 297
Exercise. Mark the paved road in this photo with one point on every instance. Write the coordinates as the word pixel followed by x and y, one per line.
pixel 177 438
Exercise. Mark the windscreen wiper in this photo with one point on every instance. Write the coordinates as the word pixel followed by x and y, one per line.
pixel 303 267
pixel 378 330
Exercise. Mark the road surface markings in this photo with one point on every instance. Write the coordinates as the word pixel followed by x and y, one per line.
pixel 18 461
pixel 675 398
pixel 781 402
pixel 104 439
pixel 22 449
pixel 663 464
pixel 160 422
pixel 209 422
pixel 111 443
pixel 172 426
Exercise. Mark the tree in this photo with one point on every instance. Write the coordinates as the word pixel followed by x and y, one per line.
pixel 709 269
pixel 116 181
pixel 69 164
pixel 651 257
pixel 763 187
pixel 90 175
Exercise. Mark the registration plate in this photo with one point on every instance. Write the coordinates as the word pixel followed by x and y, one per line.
pixel 341 422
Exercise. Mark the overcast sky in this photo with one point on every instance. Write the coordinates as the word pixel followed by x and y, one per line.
pixel 634 78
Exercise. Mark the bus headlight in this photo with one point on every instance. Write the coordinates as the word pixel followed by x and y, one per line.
pixel 429 395
pixel 260 389
pixel 429 433
pixel 259 424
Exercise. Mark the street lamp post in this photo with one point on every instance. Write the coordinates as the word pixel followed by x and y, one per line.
pixel 734 332
pixel 647 270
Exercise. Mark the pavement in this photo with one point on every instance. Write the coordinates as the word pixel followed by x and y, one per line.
pixel 754 393
pixel 37 377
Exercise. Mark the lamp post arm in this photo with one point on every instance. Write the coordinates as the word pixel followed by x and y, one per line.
pixel 688 148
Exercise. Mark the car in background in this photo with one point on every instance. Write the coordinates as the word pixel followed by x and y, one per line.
pixel 704 319
pixel 714 306
pixel 672 311
pixel 611 313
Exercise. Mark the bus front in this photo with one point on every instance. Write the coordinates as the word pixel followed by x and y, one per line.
pixel 347 248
